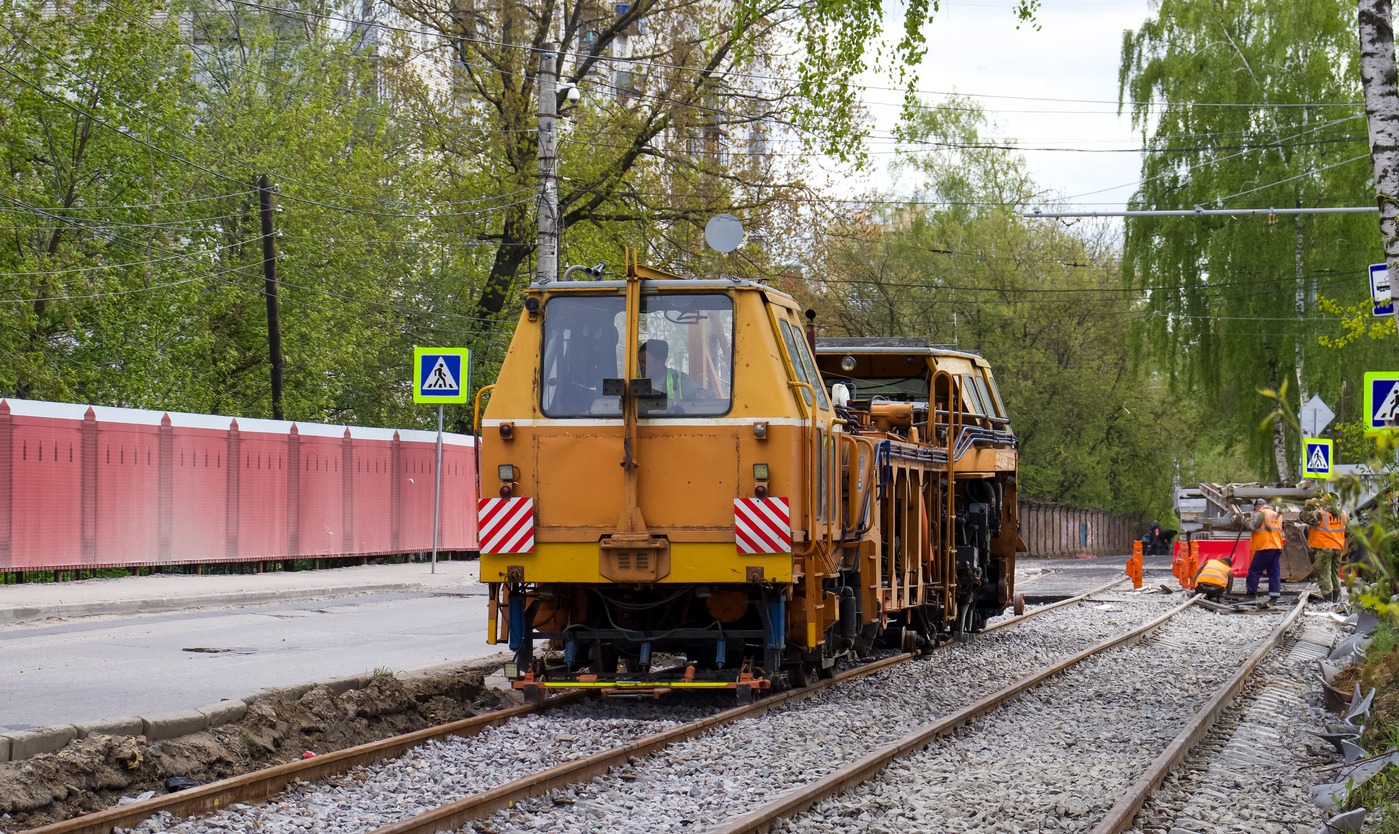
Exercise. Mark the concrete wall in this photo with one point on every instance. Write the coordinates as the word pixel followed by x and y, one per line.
pixel 1054 531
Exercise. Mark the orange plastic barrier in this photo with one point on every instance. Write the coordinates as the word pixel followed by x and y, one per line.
pixel 1134 565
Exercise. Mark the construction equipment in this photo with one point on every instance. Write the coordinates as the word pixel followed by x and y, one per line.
pixel 1212 516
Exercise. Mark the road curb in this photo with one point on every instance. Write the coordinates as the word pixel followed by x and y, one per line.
pixel 19 614
pixel 18 745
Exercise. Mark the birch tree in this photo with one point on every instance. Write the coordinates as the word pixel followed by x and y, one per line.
pixel 1381 86
pixel 1246 104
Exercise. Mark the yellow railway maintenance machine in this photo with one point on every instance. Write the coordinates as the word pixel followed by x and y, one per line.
pixel 671 497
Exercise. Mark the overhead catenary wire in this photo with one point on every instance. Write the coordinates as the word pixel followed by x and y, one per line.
pixel 766 78
pixel 285 196
pixel 1203 212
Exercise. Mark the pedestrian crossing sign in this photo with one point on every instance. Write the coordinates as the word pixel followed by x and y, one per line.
pixel 1381 401
pixel 440 375
pixel 1316 458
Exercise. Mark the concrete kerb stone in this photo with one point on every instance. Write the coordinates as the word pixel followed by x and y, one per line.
pixel 168 725
pixel 224 712
pixel 485 665
pixel 26 744
pixel 340 686
pixel 129 725
pixel 292 692
pixel 148 606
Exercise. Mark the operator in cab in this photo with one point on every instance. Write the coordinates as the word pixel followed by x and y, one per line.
pixel 652 363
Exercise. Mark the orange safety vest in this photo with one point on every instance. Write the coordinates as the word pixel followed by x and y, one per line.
pixel 1269 535
pixel 1215 572
pixel 1330 534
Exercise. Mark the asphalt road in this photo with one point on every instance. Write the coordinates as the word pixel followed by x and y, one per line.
pixel 101 667
pixel 98 668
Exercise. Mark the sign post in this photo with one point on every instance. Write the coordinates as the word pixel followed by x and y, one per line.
pixel 439 376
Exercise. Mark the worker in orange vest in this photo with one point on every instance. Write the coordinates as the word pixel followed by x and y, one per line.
pixel 1326 536
pixel 1266 547
pixel 1215 578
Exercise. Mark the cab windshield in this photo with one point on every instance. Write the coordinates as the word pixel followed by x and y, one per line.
pixel 686 350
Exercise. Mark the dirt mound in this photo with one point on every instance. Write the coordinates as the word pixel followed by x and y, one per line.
pixel 93 773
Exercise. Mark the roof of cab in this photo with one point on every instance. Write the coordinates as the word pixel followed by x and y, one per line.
pixel 899 345
pixel 659 285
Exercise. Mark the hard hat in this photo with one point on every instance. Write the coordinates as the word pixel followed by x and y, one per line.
pixel 1259 502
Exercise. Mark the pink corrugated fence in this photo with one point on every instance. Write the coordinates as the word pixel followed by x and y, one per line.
pixel 86 487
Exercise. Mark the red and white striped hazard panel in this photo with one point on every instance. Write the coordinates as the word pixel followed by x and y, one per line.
pixel 762 525
pixel 505 525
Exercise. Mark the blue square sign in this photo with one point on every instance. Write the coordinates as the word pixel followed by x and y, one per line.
pixel 1381 292
pixel 439 375
pixel 1317 456
pixel 1381 401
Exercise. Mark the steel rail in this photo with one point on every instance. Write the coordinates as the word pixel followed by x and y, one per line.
pixel 262 785
pixel 1119 817
pixel 1053 605
pixel 480 805
pixel 866 768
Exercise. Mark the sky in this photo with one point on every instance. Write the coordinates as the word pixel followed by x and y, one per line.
pixel 1055 87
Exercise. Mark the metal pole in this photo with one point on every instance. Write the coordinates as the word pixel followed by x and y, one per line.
pixel 437 492
pixel 547 245
pixel 269 271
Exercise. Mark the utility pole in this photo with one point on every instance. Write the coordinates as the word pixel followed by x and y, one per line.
pixel 1301 308
pixel 547 245
pixel 269 274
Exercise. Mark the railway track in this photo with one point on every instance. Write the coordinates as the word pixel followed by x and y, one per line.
pixel 399 788
pixel 375 761
pixel 1225 784
pixel 1083 751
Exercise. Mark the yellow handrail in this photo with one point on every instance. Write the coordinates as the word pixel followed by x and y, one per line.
pixel 476 415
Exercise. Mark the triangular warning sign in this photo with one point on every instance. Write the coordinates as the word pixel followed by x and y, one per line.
pixel 1387 412
pixel 440 378
pixel 1317 462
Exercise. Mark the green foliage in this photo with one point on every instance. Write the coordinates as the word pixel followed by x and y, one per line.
pixel 1043 305
pixel 133 267
pixel 1249 105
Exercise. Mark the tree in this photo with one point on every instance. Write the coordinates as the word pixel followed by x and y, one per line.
pixel 959 265
pixel 1246 104
pixel 671 131
pixel 131 146
pixel 1380 81
pixel 93 211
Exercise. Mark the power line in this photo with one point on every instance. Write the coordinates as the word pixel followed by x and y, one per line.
pixel 765 78
pixel 1204 212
